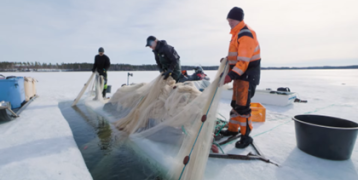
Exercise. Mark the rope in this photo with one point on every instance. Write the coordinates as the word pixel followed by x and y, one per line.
pixel 222 126
pixel 222 116
pixel 201 127
pixel 219 147
pixel 183 129
pixel 318 109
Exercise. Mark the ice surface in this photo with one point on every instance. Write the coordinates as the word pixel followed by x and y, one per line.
pixel 40 144
pixel 326 95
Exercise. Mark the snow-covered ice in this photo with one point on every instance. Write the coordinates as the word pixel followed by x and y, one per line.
pixel 329 92
pixel 40 145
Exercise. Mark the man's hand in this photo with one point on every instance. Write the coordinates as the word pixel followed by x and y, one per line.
pixel 167 74
pixel 227 79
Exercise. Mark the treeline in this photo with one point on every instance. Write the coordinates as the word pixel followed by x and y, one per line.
pixel 313 67
pixel 37 66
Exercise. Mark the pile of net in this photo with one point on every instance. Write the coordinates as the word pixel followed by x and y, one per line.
pixel 170 125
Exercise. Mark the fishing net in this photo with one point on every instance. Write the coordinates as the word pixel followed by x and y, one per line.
pixel 95 88
pixel 170 125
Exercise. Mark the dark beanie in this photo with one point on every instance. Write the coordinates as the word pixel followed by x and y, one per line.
pixel 236 13
pixel 101 49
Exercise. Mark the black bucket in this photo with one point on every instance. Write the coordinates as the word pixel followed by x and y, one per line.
pixel 325 137
pixel 109 88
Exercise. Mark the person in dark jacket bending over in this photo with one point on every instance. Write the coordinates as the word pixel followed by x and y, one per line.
pixel 101 65
pixel 166 57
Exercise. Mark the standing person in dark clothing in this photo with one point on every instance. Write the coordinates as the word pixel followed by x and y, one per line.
pixel 166 57
pixel 101 65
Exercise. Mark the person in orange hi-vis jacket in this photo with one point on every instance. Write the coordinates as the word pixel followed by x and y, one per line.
pixel 244 60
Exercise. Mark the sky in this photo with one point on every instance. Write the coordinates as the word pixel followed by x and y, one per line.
pixel 290 33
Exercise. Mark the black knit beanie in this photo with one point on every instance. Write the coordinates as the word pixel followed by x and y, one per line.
pixel 236 13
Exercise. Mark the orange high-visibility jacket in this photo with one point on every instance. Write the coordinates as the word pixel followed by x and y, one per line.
pixel 244 54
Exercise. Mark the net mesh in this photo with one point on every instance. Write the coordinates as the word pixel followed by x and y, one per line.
pixel 163 121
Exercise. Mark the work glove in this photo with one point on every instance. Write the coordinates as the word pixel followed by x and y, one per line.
pixel 227 79
pixel 104 70
pixel 167 74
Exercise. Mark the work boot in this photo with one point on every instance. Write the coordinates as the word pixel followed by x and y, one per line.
pixel 244 142
pixel 228 133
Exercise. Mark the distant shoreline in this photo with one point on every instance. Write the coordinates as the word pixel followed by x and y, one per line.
pixel 72 67
pixel 312 67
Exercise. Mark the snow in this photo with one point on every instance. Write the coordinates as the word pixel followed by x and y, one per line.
pixel 326 95
pixel 40 145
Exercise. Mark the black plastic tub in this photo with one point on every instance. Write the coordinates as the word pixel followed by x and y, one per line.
pixel 325 137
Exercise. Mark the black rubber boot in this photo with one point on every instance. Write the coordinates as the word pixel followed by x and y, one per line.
pixel 244 142
pixel 228 133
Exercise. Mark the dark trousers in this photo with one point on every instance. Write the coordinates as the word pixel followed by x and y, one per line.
pixel 104 74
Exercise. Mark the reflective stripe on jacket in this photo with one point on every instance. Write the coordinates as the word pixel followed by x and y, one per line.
pixel 244 54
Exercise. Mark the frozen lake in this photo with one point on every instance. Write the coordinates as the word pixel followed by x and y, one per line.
pixel 47 149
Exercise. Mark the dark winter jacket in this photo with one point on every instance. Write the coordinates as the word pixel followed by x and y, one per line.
pixel 101 64
pixel 167 59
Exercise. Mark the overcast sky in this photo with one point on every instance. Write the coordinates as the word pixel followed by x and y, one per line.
pixel 290 32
